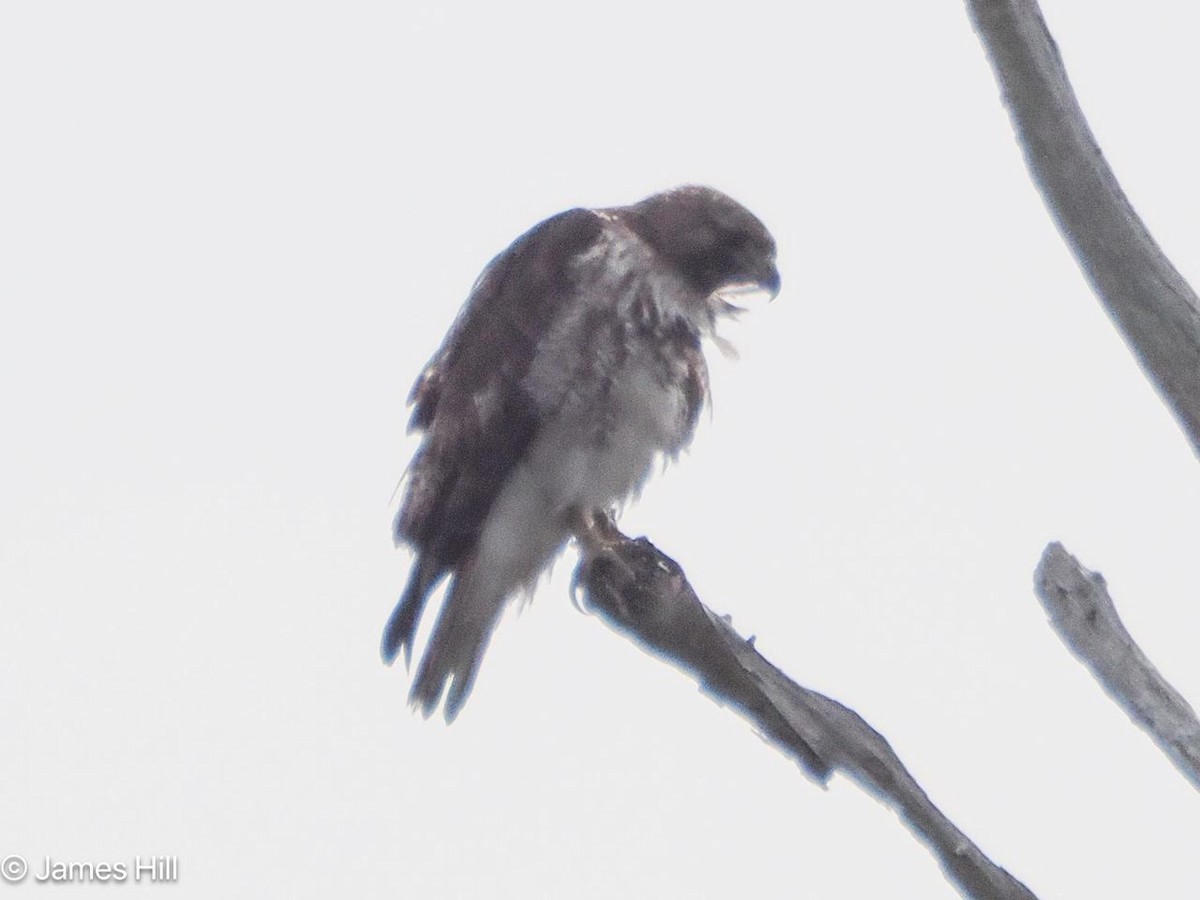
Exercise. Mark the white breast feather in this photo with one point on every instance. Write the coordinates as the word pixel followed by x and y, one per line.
pixel 595 451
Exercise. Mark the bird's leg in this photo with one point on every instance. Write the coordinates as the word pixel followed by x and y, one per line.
pixel 598 536
pixel 594 529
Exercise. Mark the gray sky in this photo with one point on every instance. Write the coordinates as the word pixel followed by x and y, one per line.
pixel 233 234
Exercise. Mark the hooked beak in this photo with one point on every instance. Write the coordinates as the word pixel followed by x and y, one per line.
pixel 771 283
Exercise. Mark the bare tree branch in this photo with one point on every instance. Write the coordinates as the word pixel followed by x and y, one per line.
pixel 645 595
pixel 1084 616
pixel 1153 307
pixel 1150 302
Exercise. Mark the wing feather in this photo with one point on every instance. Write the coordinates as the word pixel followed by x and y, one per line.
pixel 477 418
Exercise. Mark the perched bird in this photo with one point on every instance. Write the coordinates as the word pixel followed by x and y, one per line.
pixel 575 363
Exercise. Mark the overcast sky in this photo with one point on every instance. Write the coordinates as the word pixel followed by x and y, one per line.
pixel 234 232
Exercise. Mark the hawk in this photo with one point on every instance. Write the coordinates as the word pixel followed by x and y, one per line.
pixel 575 363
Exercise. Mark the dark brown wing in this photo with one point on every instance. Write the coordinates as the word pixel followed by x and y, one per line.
pixel 469 401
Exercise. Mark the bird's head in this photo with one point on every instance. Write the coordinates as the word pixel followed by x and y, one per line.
pixel 713 241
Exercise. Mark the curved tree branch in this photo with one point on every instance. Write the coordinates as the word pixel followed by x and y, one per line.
pixel 1084 616
pixel 1152 305
pixel 643 594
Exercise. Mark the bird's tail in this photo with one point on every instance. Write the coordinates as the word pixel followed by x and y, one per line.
pixel 459 640
pixel 401 628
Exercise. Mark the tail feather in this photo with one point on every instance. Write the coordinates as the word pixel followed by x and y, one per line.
pixel 482 581
pixel 401 628
pixel 452 657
